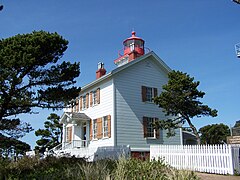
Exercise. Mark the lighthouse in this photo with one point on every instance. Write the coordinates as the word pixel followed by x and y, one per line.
pixel 133 47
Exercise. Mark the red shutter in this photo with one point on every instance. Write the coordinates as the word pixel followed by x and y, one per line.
pixel 144 94
pixel 155 92
pixel 98 95
pixel 80 103
pixel 91 100
pixel 91 129
pixel 99 128
pixel 144 127
pixel 69 134
pixel 77 105
pixel 87 100
pixel 109 125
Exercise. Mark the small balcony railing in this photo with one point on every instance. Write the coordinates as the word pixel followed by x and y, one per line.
pixel 76 144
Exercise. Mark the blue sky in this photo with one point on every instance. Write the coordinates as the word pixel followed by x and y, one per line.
pixel 196 37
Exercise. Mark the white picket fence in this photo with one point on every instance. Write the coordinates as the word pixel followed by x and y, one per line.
pixel 218 159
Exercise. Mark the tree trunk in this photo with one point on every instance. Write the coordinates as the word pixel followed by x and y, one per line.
pixel 194 131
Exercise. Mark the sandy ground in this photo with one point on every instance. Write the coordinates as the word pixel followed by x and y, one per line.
pixel 205 176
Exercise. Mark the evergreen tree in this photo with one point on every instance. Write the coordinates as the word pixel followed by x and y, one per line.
pixel 10 147
pixel 180 99
pixel 31 76
pixel 214 134
pixel 51 136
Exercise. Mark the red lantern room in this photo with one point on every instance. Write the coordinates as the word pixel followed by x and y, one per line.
pixel 133 48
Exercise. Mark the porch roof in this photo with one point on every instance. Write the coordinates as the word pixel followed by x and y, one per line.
pixel 69 117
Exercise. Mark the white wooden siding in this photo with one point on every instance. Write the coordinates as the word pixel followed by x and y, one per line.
pixel 129 106
pixel 103 109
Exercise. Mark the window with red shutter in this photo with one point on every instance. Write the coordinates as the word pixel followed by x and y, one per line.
pixel 148 93
pixel 149 130
pixel 106 126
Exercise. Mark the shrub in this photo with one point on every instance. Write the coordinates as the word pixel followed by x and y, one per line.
pixel 137 169
pixel 52 168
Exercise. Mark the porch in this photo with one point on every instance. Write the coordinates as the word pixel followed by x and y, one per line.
pixel 77 148
pixel 80 149
pixel 76 130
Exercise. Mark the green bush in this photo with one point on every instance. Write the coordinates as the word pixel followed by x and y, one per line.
pixel 137 169
pixel 52 168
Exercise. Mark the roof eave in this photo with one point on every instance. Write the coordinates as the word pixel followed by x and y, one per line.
pixel 110 74
pixel 96 81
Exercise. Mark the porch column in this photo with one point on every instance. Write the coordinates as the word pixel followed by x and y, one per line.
pixel 79 143
pixel 64 136
pixel 73 135
pixel 87 133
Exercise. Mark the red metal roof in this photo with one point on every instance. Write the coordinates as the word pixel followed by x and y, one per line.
pixel 133 37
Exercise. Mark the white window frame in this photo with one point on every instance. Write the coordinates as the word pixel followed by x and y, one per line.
pixel 94 98
pixel 94 129
pixel 151 131
pixel 149 94
pixel 105 126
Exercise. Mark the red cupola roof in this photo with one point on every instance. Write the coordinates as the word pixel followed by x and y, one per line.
pixel 134 37
pixel 133 48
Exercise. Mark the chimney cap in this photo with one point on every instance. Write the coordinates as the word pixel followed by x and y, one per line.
pixel 100 65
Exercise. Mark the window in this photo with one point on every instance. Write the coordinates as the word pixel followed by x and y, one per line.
pixel 148 93
pixel 94 97
pixel 132 47
pixel 148 128
pixel 89 99
pixel 105 126
pixel 94 134
pixel 100 127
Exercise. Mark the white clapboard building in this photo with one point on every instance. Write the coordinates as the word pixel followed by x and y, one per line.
pixel 115 112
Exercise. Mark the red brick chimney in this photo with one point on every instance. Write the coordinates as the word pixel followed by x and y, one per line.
pixel 101 71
